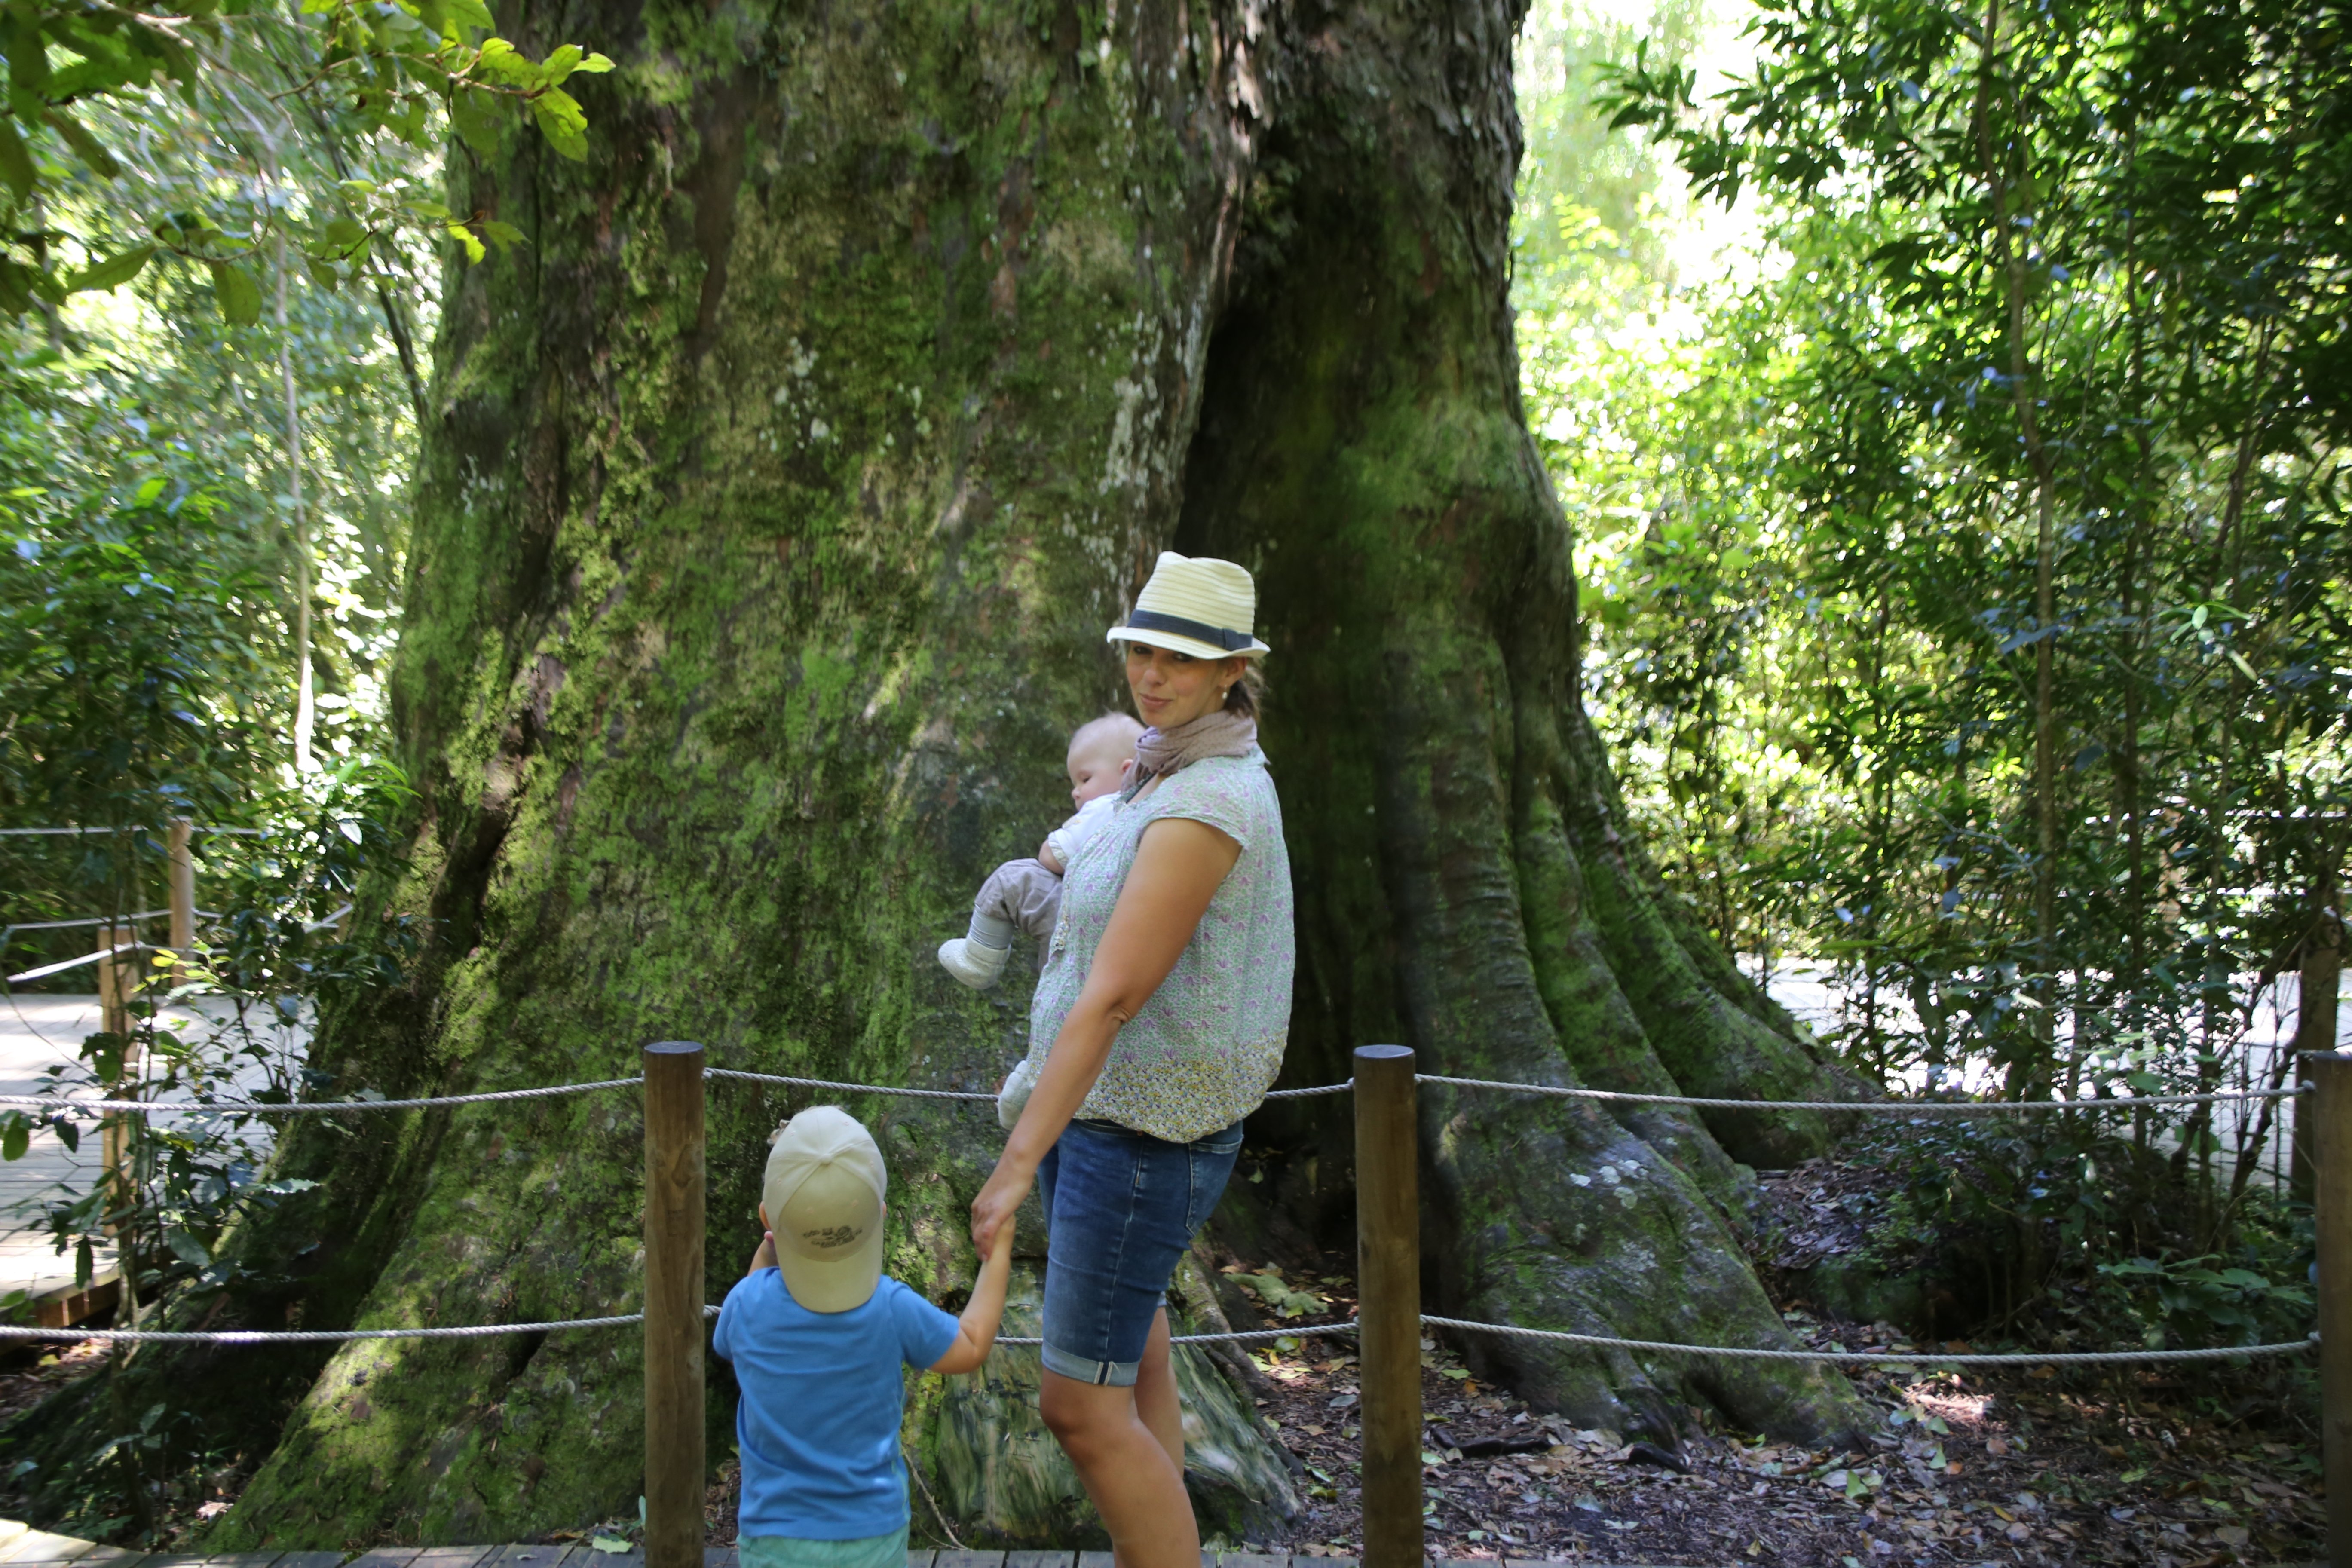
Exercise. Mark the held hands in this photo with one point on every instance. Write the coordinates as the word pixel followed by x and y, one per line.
pixel 993 1212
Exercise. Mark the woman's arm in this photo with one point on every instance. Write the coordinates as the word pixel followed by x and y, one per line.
pixel 1179 866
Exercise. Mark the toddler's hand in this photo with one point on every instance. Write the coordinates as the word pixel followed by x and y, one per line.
pixel 765 1258
pixel 993 1212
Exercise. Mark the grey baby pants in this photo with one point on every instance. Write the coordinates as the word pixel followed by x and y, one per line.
pixel 1023 894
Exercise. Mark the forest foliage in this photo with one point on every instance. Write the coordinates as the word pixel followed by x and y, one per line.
pixel 1965 556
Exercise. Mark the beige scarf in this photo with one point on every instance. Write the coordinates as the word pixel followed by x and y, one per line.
pixel 1223 734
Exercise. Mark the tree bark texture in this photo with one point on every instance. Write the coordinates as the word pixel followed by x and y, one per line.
pixel 775 498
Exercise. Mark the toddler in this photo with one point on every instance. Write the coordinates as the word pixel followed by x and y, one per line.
pixel 1026 895
pixel 818 1335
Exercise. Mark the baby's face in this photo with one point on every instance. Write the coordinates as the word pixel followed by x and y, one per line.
pixel 1099 767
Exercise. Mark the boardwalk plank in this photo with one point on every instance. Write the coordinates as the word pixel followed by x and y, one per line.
pixel 1263 1559
pixel 547 1556
pixel 40 1546
pixel 311 1560
pixel 1040 1559
pixel 1096 1560
pixel 969 1560
pixel 719 1557
pixel 386 1557
pixel 450 1556
pixel 921 1557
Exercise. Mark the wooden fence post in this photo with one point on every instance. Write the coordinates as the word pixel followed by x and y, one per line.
pixel 181 876
pixel 2331 1075
pixel 1388 1294
pixel 116 980
pixel 674 1331
pixel 2316 993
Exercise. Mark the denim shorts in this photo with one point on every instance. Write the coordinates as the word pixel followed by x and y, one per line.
pixel 1120 1209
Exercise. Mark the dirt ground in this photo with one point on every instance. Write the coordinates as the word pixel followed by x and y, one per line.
pixel 2010 1470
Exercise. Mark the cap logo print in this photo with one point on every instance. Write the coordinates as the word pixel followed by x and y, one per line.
pixel 831 1236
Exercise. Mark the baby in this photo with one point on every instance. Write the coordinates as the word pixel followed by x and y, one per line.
pixel 1026 895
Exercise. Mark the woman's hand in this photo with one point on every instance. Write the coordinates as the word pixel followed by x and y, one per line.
pixel 1000 1200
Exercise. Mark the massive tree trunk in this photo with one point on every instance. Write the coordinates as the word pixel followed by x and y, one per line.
pixel 774 503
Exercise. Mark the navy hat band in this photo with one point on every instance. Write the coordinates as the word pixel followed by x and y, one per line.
pixel 1199 631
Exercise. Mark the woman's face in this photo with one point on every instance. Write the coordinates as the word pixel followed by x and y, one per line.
pixel 1172 688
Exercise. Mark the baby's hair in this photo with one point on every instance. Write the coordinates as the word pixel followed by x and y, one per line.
pixel 1101 728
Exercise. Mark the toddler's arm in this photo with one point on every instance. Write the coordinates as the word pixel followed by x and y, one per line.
pixel 1049 858
pixel 976 1329
pixel 765 1258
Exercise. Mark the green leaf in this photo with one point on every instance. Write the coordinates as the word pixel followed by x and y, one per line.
pixel 477 114
pixel 239 295
pixel 471 14
pixel 186 1248
pixel 15 163
pixel 79 138
pixel 465 237
pixel 560 117
pixel 112 272
pixel 501 61
pixel 16 1135
pixel 559 64
pixel 505 236
pixel 594 65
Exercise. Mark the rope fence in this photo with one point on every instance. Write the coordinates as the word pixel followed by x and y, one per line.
pixel 1592 1342
pixel 45 971
pixel 82 832
pixel 1246 1336
pixel 1879 1107
pixel 1387 1328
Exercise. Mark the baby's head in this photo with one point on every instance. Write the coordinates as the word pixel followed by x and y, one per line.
pixel 822 1198
pixel 1102 755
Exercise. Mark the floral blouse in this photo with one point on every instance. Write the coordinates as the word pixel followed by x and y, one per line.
pixel 1201 1053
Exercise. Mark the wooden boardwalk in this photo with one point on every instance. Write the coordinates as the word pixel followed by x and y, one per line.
pixel 23 1548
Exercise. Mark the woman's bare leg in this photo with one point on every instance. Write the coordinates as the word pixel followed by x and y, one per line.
pixel 1137 1489
pixel 1156 1404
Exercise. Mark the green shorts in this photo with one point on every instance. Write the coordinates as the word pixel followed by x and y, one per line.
pixel 791 1552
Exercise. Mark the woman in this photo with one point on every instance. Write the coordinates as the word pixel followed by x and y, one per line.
pixel 1158 1023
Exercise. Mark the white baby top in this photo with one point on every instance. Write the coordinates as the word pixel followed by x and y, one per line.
pixel 1084 826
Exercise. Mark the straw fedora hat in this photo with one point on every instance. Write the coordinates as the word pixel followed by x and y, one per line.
pixel 1199 606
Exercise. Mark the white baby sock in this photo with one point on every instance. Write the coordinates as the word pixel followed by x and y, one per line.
pixel 1015 1094
pixel 978 956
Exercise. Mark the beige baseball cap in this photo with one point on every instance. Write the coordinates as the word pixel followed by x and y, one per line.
pixel 823 1191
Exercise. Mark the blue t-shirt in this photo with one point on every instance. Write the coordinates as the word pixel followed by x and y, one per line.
pixel 822 1399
